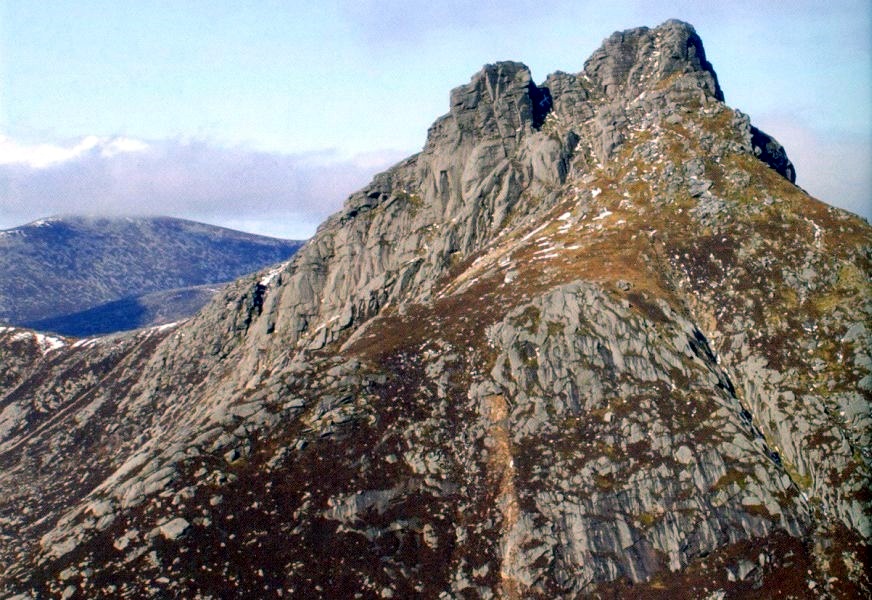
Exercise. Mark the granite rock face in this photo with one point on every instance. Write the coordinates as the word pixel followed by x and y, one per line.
pixel 590 342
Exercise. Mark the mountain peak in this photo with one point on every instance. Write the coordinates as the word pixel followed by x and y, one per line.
pixel 500 99
pixel 503 100
pixel 507 140
pixel 632 61
pixel 590 342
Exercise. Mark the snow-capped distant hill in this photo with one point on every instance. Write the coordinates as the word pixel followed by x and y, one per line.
pixel 55 272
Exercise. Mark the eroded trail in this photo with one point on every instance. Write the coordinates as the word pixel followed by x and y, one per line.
pixel 502 467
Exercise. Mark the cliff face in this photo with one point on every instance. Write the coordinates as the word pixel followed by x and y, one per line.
pixel 590 341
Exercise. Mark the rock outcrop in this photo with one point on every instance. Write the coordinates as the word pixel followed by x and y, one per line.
pixel 590 342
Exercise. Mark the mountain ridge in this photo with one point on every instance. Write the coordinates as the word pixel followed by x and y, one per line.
pixel 59 266
pixel 606 351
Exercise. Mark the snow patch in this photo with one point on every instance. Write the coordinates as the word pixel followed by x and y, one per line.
pixel 602 215
pixel 566 226
pixel 267 279
pixel 534 232
pixel 47 343
pixel 86 343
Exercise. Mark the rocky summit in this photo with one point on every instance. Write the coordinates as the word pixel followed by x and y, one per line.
pixel 591 341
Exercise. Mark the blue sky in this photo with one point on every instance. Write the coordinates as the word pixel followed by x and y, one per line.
pixel 265 115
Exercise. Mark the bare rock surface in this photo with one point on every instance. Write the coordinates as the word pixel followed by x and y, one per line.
pixel 590 342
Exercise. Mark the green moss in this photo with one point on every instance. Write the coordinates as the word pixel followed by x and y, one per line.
pixel 554 328
pixel 529 319
pixel 647 519
pixel 803 481
pixel 531 362
pixel 552 126
pixel 850 281
pixel 718 123
pixel 607 450
pixel 729 478
pixel 409 197
pixel 668 81
pixel 603 482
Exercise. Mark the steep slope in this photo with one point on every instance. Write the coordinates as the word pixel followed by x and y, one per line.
pixel 590 342
pixel 60 266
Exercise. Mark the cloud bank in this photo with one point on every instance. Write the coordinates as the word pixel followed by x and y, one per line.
pixel 274 194
pixel 290 195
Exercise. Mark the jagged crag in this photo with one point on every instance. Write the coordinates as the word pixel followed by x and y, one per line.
pixel 590 342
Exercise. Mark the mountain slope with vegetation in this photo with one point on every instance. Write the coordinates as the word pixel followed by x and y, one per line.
pixel 591 342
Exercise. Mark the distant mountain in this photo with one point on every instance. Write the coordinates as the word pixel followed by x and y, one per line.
pixel 58 274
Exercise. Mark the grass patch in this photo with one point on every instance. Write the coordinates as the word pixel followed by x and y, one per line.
pixel 731 477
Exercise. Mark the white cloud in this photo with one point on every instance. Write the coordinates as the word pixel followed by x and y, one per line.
pixel 286 195
pixel 41 156
pixel 121 145
pixel 290 195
